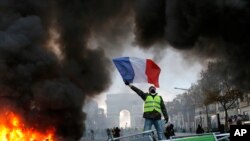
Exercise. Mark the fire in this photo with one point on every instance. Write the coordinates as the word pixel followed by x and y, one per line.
pixel 12 128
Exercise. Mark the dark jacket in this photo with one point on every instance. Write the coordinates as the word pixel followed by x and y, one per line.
pixel 154 114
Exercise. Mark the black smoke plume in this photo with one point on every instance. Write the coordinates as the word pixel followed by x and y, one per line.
pixel 46 90
pixel 212 29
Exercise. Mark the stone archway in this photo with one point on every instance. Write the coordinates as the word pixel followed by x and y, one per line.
pixel 118 102
pixel 124 119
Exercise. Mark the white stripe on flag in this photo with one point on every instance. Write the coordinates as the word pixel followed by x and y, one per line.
pixel 139 66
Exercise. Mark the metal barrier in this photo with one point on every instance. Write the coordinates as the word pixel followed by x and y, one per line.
pixel 223 137
pixel 150 135
pixel 143 136
pixel 202 137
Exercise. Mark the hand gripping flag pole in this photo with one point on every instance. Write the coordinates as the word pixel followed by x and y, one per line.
pixel 137 70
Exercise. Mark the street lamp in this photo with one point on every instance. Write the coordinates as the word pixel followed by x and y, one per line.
pixel 200 119
pixel 181 88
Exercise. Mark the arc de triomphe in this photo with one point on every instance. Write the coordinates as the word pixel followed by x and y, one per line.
pixel 118 102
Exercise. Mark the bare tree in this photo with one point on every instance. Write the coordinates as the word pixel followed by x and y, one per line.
pixel 217 87
pixel 196 95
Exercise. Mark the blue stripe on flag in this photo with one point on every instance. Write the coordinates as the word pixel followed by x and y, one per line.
pixel 125 68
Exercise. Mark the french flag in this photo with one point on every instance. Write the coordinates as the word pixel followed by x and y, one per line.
pixel 137 70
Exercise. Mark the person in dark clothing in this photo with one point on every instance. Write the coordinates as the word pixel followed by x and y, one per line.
pixel 117 132
pixel 109 133
pixel 154 107
pixel 199 130
pixel 222 128
pixel 92 135
pixel 169 131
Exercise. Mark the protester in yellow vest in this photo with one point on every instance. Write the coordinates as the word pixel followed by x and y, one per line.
pixel 154 107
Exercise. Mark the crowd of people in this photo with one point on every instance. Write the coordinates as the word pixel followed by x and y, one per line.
pixel 116 132
pixel 113 132
pixel 238 119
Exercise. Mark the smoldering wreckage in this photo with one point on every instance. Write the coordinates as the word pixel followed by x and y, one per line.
pixel 46 86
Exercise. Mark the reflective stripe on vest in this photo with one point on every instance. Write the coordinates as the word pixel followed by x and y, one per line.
pixel 152 103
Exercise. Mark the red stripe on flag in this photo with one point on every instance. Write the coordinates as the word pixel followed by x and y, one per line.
pixel 152 72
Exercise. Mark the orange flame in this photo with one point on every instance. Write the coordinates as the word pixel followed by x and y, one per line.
pixel 13 129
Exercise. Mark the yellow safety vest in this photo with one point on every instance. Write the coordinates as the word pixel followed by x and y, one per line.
pixel 152 104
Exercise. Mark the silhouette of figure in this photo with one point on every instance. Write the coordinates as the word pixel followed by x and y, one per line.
pixel 199 130
pixel 117 132
pixel 92 135
pixel 169 131
pixel 109 133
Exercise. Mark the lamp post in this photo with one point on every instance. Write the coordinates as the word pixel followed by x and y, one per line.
pixel 200 119
pixel 188 123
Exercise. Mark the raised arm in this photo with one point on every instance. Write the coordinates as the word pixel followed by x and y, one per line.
pixel 138 91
